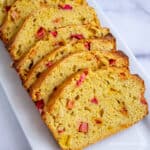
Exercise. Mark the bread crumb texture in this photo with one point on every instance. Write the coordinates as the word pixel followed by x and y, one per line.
pixel 101 105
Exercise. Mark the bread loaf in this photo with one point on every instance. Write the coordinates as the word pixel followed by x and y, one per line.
pixel 104 103
pixel 21 9
pixel 43 22
pixel 59 72
pixel 62 37
pixel 102 44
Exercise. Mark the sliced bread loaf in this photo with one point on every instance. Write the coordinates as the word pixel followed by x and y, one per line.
pixel 63 36
pixel 21 9
pixel 102 44
pixel 5 5
pixel 57 73
pixel 41 23
pixel 104 103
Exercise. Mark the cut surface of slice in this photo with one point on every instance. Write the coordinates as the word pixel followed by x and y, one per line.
pixel 21 9
pixel 64 35
pixel 106 102
pixel 5 6
pixel 102 44
pixel 60 71
pixel 43 22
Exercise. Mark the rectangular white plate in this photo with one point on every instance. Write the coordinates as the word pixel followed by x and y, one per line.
pixel 135 138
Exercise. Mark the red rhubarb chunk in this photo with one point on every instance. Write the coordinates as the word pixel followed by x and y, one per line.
pixel 48 64
pixel 65 7
pixel 41 33
pixel 112 62
pixel 53 33
pixel 7 8
pixel 39 104
pixel 70 104
pixel 87 45
pixel 82 78
pixel 94 101
pixel 77 36
pixel 143 101
pixel 83 127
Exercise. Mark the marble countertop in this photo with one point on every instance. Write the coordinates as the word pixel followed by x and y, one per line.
pixel 131 19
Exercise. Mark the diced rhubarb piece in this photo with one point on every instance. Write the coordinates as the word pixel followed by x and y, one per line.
pixel 77 36
pixel 7 8
pixel 143 101
pixel 48 64
pixel 94 101
pixel 98 121
pixel 70 104
pixel 112 62
pixel 83 127
pixel 65 7
pixel 82 78
pixel 41 33
pixel 40 105
pixel 87 45
pixel 53 33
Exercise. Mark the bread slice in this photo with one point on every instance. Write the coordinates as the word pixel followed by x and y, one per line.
pixel 55 75
pixel 21 9
pixel 102 44
pixel 5 5
pixel 45 21
pixel 106 102
pixel 64 35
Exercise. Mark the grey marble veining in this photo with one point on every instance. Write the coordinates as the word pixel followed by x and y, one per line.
pixel 132 20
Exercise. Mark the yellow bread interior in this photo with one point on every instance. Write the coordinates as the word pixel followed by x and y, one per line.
pixel 55 75
pixel 43 47
pixel 102 44
pixel 21 9
pixel 106 102
pixel 45 19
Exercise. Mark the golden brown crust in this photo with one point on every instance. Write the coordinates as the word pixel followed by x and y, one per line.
pixel 31 39
pixel 18 5
pixel 101 58
pixel 50 106
pixel 34 55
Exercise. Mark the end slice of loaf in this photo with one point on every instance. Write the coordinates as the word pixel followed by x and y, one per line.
pixel 59 72
pixel 102 44
pixel 64 35
pixel 21 9
pixel 5 5
pixel 106 102
pixel 42 23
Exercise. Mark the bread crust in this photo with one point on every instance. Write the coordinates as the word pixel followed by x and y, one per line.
pixel 20 6
pixel 50 106
pixel 14 50
pixel 34 55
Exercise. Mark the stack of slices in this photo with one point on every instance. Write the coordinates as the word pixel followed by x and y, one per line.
pixel 71 68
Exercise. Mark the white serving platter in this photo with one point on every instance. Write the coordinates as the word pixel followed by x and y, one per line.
pixel 37 134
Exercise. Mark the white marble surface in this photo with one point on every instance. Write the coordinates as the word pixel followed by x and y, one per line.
pixel 132 20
